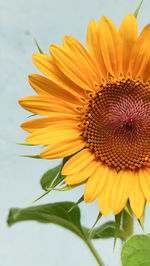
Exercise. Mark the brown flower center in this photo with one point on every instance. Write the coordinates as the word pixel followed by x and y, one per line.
pixel 116 125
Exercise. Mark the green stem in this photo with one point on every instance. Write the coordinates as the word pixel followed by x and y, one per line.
pixel 94 252
pixel 127 224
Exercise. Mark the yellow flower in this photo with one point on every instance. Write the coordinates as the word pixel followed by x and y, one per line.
pixel 97 108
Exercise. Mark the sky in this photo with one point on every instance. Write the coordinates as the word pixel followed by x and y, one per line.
pixel 31 243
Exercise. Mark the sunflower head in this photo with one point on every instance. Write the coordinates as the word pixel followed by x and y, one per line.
pixel 117 122
pixel 96 104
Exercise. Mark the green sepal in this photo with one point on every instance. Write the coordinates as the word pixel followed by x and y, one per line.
pixel 65 159
pixel 107 230
pixel 31 156
pixel 48 177
pixel 65 188
pixel 34 201
pixel 31 115
pixel 118 223
pixel 53 176
pixel 97 219
pixel 77 203
pixel 141 221
pixel 41 52
pixel 59 180
pixel 138 9
pixel 25 144
pixel 61 189
pixel 127 208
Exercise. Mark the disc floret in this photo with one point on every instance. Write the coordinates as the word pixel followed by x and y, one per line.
pixel 116 124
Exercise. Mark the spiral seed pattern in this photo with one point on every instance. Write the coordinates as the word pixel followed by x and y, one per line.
pixel 116 125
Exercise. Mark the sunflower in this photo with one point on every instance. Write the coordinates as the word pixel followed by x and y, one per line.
pixel 96 104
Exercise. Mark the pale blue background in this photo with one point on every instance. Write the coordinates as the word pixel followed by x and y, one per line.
pixel 31 243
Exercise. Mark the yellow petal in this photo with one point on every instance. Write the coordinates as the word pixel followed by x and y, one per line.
pixel 63 149
pixel 120 190
pixel 35 124
pixel 81 176
pixel 75 47
pixel 44 86
pixel 140 55
pixel 47 66
pixel 144 176
pixel 72 67
pixel 41 105
pixel 128 32
pixel 136 196
pixel 52 135
pixel 94 48
pixel 110 45
pixel 95 183
pixel 104 199
pixel 146 73
pixel 78 162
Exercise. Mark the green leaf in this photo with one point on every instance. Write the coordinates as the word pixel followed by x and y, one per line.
pixel 56 213
pixel 138 9
pixel 48 178
pixel 41 52
pixel 117 222
pixel 136 251
pixel 107 230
